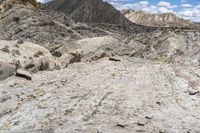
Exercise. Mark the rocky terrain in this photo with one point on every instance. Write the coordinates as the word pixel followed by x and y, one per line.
pixel 158 20
pixel 63 70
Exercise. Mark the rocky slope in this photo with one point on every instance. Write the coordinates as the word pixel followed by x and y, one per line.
pixel 89 11
pixel 95 12
pixel 51 29
pixel 158 20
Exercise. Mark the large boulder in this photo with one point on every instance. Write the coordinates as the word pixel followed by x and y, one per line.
pixel 6 70
pixel 25 54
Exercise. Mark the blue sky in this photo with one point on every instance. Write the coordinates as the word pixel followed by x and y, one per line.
pixel 188 9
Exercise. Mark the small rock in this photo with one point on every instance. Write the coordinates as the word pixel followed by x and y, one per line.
pixel 162 131
pixel 189 131
pixel 98 55
pixel 149 117
pixel 159 103
pixel 140 124
pixel 6 70
pixel 193 91
pixel 77 53
pixel 23 74
pixel 121 125
pixel 65 60
pixel 114 58
pixel 68 58
pixel 54 65
pixel 20 41
pixel 140 131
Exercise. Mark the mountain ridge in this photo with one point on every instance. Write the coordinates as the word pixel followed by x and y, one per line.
pixel 157 20
pixel 89 11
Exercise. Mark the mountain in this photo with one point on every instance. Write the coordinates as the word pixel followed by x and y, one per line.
pixel 158 20
pixel 89 11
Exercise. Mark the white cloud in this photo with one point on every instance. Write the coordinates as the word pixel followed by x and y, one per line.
pixel 186 5
pixel 145 3
pixel 43 1
pixel 164 10
pixel 185 10
pixel 192 13
pixel 166 5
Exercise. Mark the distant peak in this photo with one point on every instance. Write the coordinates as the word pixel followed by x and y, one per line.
pixel 158 20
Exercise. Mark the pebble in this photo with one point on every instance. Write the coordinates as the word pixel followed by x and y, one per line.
pixel 193 91
pixel 149 117
pixel 115 58
pixel 23 74
pixel 140 124
pixel 121 125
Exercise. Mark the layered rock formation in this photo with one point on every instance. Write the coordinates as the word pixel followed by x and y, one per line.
pixel 51 29
pixel 158 20
pixel 89 11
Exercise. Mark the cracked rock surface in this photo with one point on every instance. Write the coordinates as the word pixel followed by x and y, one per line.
pixel 133 95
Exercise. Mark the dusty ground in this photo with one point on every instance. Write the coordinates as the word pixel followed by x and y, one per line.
pixel 130 96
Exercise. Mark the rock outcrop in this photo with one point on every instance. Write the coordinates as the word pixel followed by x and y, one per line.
pixel 21 54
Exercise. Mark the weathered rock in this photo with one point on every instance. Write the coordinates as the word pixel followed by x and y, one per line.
pixel 114 58
pixel 193 91
pixel 54 65
pixel 22 54
pixel 140 124
pixel 149 117
pixel 121 125
pixel 68 58
pixel 65 59
pixel 98 55
pixel 23 74
pixel 38 64
pixel 77 53
pixel 6 70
